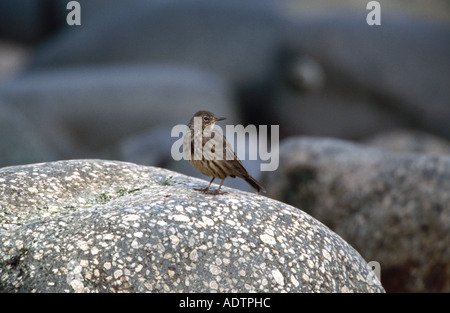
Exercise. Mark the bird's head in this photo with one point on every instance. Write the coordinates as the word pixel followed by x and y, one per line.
pixel 207 118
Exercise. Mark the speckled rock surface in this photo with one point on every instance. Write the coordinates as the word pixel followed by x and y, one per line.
pixel 394 208
pixel 104 226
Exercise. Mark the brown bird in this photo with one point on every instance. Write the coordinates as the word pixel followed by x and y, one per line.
pixel 202 146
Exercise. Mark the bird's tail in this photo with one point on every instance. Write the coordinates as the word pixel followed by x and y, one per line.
pixel 254 183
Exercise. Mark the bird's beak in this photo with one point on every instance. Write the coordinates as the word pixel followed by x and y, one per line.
pixel 220 119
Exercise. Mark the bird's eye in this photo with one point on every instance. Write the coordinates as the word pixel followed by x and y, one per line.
pixel 205 118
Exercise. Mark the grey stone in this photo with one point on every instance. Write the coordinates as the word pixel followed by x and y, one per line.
pixel 237 40
pixel 394 208
pixel 12 59
pixel 22 20
pixel 375 78
pixel 105 226
pixel 434 10
pixel 20 143
pixel 405 140
pixel 150 147
pixel 234 39
pixel 86 110
pixel 363 79
pixel 31 21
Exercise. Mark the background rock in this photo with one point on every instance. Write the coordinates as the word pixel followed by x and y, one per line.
pixel 236 40
pixel 102 226
pixel 87 110
pixel 19 141
pixel 362 89
pixel 375 78
pixel 12 59
pixel 23 20
pixel 393 208
pixel 404 140
pixel 319 74
pixel 32 21
pixel 436 10
pixel 191 33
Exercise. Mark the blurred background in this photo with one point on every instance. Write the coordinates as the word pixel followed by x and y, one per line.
pixel 114 86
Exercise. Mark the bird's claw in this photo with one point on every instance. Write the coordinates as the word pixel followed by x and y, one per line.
pixel 210 191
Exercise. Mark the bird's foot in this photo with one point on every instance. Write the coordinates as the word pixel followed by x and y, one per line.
pixel 214 192
pixel 201 189
pixel 210 191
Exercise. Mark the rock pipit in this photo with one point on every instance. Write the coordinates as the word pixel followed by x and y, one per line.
pixel 210 153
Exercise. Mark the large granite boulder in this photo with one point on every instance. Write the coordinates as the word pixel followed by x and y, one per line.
pixel 393 208
pixel 104 226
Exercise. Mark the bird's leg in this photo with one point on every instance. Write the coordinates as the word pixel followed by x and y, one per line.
pixel 207 188
pixel 216 192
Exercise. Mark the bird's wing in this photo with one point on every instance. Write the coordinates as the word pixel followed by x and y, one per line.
pixel 218 144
